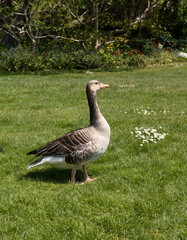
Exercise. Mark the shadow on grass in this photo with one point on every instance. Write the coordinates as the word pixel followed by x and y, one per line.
pixel 51 175
pixel 1 149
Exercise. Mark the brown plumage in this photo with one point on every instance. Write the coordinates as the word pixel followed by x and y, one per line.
pixel 79 146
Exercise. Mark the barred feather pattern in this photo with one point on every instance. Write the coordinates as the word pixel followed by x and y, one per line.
pixel 74 146
pixel 80 146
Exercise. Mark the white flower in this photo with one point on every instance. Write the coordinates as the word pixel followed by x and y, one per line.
pixel 156 134
pixel 153 130
pixel 146 131
pixel 160 46
pixel 145 112
pixel 148 135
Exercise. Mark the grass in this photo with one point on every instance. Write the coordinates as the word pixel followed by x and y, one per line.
pixel 139 192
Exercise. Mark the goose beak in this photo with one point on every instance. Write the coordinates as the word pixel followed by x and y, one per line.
pixel 104 85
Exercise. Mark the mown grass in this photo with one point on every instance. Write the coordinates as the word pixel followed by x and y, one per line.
pixel 140 193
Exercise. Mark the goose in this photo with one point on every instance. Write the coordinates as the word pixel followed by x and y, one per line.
pixel 81 146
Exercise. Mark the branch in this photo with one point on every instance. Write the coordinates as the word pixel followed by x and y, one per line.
pixel 100 11
pixel 11 33
pixel 29 29
pixel 149 8
pixel 19 13
pixel 37 6
pixel 102 3
pixel 139 18
pixel 59 37
pixel 16 4
pixel 74 14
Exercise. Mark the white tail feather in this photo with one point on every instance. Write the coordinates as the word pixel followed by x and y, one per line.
pixel 55 161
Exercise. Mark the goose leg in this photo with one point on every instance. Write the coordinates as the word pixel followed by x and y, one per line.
pixel 73 172
pixel 87 179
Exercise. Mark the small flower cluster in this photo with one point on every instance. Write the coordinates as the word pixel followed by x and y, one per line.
pixel 147 111
pixel 160 46
pixel 127 86
pixel 135 52
pixel 148 135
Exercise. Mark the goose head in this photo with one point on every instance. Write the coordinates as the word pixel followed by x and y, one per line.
pixel 95 85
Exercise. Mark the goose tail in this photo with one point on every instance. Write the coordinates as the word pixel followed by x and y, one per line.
pixel 36 163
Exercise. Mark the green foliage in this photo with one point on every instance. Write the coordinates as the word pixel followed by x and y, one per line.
pixel 172 17
pixel 21 59
pixel 139 193
pixel 67 55
pixel 31 21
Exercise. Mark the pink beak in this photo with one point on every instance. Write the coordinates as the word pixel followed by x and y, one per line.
pixel 104 85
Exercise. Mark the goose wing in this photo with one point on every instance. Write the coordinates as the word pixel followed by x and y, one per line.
pixel 72 142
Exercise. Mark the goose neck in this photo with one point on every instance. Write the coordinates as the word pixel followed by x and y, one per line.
pixel 93 106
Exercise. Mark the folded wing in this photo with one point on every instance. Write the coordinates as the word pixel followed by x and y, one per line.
pixel 75 141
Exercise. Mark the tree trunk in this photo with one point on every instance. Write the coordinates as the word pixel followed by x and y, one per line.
pixel 96 15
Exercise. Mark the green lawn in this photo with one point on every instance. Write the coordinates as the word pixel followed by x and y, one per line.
pixel 140 192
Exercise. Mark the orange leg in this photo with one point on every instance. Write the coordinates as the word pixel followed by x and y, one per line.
pixel 87 179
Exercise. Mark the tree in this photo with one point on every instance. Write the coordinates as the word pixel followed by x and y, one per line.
pixel 78 21
pixel 119 16
pixel 172 18
pixel 32 19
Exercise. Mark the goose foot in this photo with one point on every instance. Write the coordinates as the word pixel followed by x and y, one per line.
pixel 87 179
pixel 90 179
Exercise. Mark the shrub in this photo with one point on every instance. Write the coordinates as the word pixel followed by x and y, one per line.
pixel 138 53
